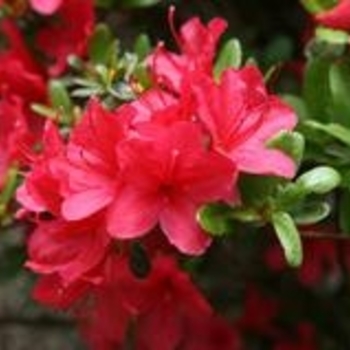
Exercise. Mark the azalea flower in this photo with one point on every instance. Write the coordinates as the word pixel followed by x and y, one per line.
pixel 13 132
pixel 69 249
pixel 168 184
pixel 241 117
pixel 73 24
pixel 197 44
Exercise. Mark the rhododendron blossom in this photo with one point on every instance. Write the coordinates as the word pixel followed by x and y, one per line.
pixel 241 117
pixel 197 44
pixel 172 179
pixel 71 29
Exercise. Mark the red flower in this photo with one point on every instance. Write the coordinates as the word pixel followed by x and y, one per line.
pixel 174 176
pixel 13 132
pixel 41 190
pixel 338 17
pixel 164 310
pixel 68 249
pixel 198 49
pixel 92 167
pixel 70 30
pixel 241 117
pixel 20 76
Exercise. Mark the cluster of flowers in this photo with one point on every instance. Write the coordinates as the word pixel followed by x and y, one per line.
pixel 125 178
pixel 24 71
pixel 115 201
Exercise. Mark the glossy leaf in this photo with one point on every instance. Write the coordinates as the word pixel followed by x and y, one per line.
pixel 289 238
pixel 319 180
pixel 230 56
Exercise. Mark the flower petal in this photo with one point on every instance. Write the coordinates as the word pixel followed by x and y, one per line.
pixel 81 205
pixel 133 213
pixel 178 221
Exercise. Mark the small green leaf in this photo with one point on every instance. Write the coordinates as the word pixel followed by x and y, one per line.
pixel 315 6
pixel 230 56
pixel 43 111
pixel 339 80
pixel 316 89
pixel 311 212
pixel 337 131
pixel 215 219
pixel 255 190
pixel 138 3
pixel 332 36
pixel 319 180
pixel 289 238
pixel 60 99
pixel 101 44
pixel 142 46
pixel 291 143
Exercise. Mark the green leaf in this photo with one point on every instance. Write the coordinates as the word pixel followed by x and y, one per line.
pixel 60 99
pixel 316 89
pixel 311 212
pixel 215 219
pixel 339 79
pixel 337 131
pixel 332 36
pixel 101 44
pixel 319 180
pixel 142 46
pixel 230 56
pixel 255 190
pixel 289 238
pixel 315 6
pixel 138 3
pixel 292 143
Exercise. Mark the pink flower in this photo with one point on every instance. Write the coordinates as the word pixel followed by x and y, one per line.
pixel 41 190
pixel 338 17
pixel 168 175
pixel 241 117
pixel 20 76
pixel 70 30
pixel 13 132
pixel 92 165
pixel 69 249
pixel 197 44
